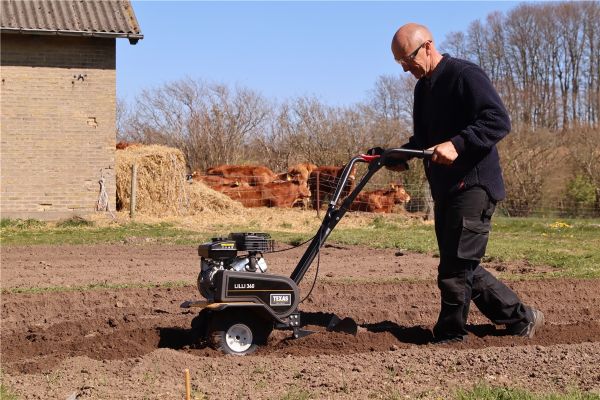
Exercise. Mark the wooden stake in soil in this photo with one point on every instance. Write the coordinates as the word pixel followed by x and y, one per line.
pixel 188 386
pixel 133 191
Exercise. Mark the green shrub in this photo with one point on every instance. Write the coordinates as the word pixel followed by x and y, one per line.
pixel 580 197
pixel 378 222
pixel 21 223
pixel 74 222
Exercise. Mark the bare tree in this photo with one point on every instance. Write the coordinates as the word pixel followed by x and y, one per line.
pixel 392 98
pixel 274 144
pixel 584 148
pixel 591 12
pixel 526 158
pixel 123 120
pixel 210 123
pixel 455 43
pixel 545 60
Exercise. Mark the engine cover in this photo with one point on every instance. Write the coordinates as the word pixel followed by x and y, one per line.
pixel 219 249
pixel 278 293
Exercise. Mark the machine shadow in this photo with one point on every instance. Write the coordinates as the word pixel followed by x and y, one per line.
pixel 176 338
pixel 420 335
pixel 180 338
pixel 485 330
pixel 317 318
pixel 405 334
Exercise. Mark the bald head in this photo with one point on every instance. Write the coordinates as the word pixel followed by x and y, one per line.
pixel 408 37
pixel 413 48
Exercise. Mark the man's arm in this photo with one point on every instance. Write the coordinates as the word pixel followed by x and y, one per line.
pixel 491 122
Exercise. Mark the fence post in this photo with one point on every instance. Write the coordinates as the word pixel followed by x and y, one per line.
pixel 429 214
pixel 318 194
pixel 132 202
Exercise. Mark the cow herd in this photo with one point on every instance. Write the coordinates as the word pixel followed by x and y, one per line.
pixel 302 185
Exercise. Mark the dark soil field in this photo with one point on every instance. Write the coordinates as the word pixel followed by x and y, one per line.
pixel 134 342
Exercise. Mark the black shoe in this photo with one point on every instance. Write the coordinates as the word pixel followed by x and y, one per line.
pixel 530 329
pixel 448 339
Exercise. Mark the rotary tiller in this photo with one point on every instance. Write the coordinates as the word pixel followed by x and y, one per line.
pixel 243 302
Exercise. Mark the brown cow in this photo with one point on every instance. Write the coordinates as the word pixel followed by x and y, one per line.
pixel 380 201
pixel 215 181
pixel 301 171
pixel 122 145
pixel 285 193
pixel 253 174
pixel 328 177
pixel 272 194
pixel 249 196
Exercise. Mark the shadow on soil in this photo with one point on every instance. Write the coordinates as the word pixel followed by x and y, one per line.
pixel 176 338
pixel 405 334
pixel 181 338
pixel 419 335
pixel 485 330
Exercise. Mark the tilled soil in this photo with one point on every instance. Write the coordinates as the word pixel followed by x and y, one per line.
pixel 135 342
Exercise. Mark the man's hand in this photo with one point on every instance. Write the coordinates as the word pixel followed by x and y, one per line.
pixel 444 153
pixel 399 166
pixel 375 151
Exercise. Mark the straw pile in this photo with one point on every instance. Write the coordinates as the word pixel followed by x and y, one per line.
pixel 162 189
pixel 203 198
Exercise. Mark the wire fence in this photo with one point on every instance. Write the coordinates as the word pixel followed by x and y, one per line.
pixel 387 197
pixel 545 208
pixel 384 197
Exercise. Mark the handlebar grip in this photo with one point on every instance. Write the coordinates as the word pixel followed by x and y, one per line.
pixel 409 152
pixel 389 153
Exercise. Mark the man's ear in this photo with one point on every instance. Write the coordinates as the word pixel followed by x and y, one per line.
pixel 428 46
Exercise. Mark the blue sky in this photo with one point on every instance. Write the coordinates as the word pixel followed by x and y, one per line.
pixel 332 50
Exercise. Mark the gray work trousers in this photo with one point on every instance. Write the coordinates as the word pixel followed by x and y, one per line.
pixel 462 226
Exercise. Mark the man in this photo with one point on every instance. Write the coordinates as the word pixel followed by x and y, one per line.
pixel 459 115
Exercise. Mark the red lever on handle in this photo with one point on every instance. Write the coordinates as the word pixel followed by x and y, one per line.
pixel 369 158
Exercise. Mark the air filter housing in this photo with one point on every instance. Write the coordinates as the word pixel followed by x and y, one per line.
pixel 261 242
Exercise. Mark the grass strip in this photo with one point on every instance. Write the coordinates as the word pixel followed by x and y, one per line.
pixel 33 234
pixel 569 246
pixel 94 286
pixel 6 394
pixel 483 391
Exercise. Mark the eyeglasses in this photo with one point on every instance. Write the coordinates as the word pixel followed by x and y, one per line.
pixel 411 57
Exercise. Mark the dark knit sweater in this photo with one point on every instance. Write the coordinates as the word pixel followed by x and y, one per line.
pixel 459 103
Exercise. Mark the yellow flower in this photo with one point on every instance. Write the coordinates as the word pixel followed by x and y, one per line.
pixel 559 225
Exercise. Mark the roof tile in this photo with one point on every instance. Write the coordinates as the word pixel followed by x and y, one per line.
pixel 112 18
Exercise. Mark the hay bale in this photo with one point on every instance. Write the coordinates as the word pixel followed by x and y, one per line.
pixel 203 198
pixel 162 189
pixel 160 179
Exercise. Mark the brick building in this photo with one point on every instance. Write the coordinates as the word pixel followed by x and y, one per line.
pixel 58 99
